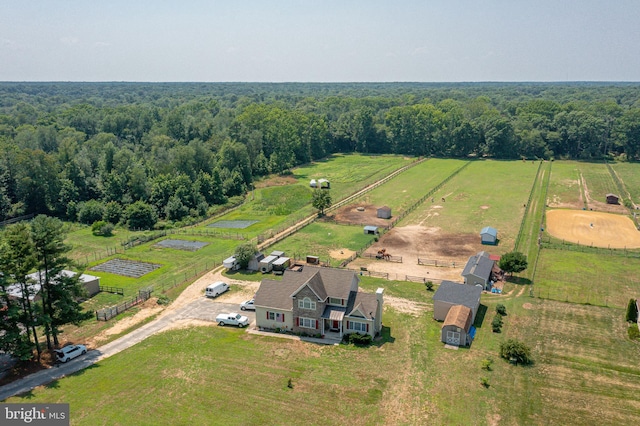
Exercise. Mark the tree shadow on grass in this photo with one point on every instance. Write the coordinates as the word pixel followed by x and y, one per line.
pixel 384 337
pixel 518 280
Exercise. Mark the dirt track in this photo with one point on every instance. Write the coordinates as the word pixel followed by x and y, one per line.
pixel 593 228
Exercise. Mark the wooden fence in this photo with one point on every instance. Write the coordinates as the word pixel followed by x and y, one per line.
pixel 436 262
pixel 107 313
pixel 388 258
pixel 114 290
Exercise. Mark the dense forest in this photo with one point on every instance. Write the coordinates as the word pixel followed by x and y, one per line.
pixel 149 153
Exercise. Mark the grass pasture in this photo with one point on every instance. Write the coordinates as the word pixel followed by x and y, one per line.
pixel 567 275
pixel 585 371
pixel 348 173
pixel 565 186
pixel 599 182
pixel 628 173
pixel 405 189
pixel 320 238
pixel 486 193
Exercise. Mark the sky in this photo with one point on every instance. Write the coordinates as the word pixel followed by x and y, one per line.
pixel 319 41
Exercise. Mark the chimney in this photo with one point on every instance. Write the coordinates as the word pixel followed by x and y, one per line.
pixel 380 299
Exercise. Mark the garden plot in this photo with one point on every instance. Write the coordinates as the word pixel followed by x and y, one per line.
pixel 234 224
pixel 181 244
pixel 128 268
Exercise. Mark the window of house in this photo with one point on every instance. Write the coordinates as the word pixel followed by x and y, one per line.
pixel 307 303
pixel 335 301
pixel 307 322
pixel 357 326
pixel 275 316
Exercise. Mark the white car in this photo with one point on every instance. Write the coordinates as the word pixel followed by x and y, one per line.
pixel 70 352
pixel 248 305
pixel 232 319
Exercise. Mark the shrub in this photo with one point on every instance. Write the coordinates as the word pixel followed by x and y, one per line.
pixel 486 364
pixel 496 324
pixel 102 228
pixel 484 382
pixel 501 309
pixel 634 333
pixel 90 211
pixel 163 299
pixel 358 339
pixel 515 351
pixel 429 285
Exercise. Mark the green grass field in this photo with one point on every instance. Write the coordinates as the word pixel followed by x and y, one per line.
pixel 486 193
pixel 628 173
pixel 405 189
pixel 320 238
pixel 565 186
pixel 599 181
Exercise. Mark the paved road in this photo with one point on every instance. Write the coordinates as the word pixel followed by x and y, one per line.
pixel 201 309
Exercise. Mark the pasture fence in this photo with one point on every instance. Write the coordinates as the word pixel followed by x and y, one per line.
pixel 527 208
pixel 436 262
pixel 107 313
pixel 546 242
pixel 388 257
pixel 579 297
pixel 114 290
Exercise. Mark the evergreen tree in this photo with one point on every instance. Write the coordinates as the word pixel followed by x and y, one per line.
pixel 632 311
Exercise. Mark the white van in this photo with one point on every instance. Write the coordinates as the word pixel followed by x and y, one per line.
pixel 216 289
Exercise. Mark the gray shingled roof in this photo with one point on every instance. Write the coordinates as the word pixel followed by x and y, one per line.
pixel 275 294
pixel 325 282
pixel 479 265
pixel 458 294
pixel 366 302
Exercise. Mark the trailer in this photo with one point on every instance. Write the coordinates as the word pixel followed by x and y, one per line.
pixel 280 264
pixel 266 264
pixel 231 263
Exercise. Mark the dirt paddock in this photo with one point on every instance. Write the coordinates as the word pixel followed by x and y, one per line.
pixel 413 242
pixel 361 213
pixel 593 228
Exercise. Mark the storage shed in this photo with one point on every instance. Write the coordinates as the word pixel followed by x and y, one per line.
pixel 489 235
pixel 254 264
pixel 613 199
pixel 371 230
pixel 384 212
pixel 313 183
pixel 450 294
pixel 324 184
pixel 478 270
pixel 456 327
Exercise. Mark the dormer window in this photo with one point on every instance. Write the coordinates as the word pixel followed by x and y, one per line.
pixel 307 303
pixel 334 301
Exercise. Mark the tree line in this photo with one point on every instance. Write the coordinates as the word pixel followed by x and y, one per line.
pixel 155 154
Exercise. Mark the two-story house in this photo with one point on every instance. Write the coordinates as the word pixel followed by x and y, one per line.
pixel 318 301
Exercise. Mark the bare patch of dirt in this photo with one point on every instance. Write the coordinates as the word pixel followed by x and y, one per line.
pixel 406 306
pixel 593 228
pixel 484 207
pixel 188 323
pixel 360 213
pixel 341 254
pixel 527 306
pixel 147 309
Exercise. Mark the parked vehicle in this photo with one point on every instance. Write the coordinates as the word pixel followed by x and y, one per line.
pixel 247 305
pixel 232 319
pixel 216 289
pixel 70 352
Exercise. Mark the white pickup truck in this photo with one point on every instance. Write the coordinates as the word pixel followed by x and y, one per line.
pixel 232 319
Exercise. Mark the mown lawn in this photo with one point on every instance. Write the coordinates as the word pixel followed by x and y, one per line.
pixel 486 193
pixel 599 181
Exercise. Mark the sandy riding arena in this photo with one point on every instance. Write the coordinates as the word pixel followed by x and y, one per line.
pixel 597 228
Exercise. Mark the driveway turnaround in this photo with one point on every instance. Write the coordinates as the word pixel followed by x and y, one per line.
pixel 201 309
